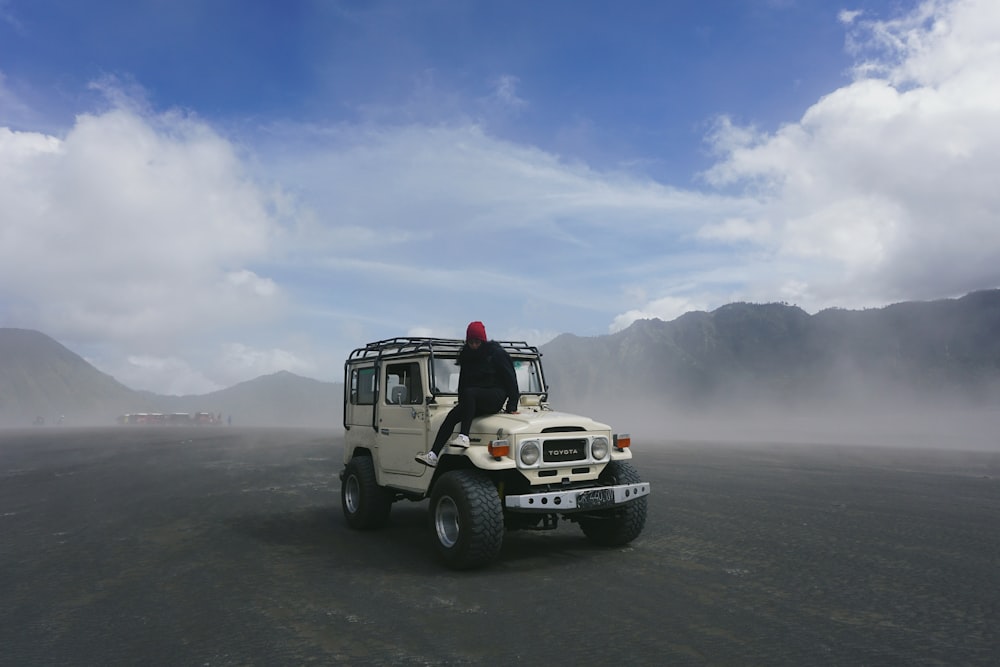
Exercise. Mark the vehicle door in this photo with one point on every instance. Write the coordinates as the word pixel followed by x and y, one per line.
pixel 402 418
pixel 359 403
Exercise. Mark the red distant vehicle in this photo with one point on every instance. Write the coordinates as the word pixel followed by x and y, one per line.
pixel 204 419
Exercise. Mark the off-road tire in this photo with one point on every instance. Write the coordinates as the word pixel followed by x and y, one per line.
pixel 366 505
pixel 619 525
pixel 466 519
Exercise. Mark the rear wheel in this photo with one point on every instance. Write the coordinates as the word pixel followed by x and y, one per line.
pixel 365 503
pixel 619 525
pixel 466 519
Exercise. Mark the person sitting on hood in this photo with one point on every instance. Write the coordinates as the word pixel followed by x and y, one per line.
pixel 486 381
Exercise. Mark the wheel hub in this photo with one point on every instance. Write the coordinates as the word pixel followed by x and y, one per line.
pixel 352 494
pixel 446 522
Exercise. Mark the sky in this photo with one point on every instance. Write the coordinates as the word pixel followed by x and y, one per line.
pixel 196 193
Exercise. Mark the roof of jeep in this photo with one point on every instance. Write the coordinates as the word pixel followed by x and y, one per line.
pixel 409 346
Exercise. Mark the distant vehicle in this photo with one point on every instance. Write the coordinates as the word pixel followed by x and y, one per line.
pixel 205 419
pixel 159 419
pixel 521 471
pixel 39 421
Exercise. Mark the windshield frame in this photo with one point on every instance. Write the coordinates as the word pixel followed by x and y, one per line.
pixel 530 379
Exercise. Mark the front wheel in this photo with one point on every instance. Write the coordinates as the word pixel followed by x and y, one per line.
pixel 365 503
pixel 619 525
pixel 466 519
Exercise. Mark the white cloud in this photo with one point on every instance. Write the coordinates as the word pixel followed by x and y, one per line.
pixel 164 375
pixel 453 210
pixel 735 230
pixel 241 362
pixel 887 184
pixel 848 16
pixel 251 282
pixel 457 177
pixel 945 43
pixel 125 227
pixel 505 91
pixel 666 308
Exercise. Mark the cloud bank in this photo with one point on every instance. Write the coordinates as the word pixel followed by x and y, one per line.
pixel 881 191
pixel 186 256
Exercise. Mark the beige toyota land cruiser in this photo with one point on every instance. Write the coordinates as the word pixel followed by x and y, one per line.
pixel 522 471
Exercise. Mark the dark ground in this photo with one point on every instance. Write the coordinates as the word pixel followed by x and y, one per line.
pixel 221 546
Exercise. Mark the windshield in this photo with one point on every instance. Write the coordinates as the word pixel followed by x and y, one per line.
pixel 445 375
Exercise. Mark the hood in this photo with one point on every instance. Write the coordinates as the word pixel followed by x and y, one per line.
pixel 530 421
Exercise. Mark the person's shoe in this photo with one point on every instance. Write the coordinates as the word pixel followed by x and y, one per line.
pixel 460 440
pixel 430 459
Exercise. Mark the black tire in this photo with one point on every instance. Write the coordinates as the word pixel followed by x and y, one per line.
pixel 620 525
pixel 466 519
pixel 366 505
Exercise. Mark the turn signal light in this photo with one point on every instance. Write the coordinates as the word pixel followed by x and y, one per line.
pixel 623 440
pixel 499 448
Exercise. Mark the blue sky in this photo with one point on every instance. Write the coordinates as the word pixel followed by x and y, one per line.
pixel 196 193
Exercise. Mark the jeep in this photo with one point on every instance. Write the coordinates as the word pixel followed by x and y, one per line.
pixel 521 471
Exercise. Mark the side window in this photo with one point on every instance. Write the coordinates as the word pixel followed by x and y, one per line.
pixel 527 376
pixel 363 386
pixel 446 373
pixel 402 384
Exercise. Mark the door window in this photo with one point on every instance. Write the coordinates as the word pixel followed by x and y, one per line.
pixel 402 384
pixel 363 386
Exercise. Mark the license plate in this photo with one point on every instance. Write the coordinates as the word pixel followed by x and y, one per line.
pixel 594 499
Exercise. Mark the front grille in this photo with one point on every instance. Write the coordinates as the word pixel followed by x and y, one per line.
pixel 568 449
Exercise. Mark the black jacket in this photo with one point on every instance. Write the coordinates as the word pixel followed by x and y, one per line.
pixel 490 367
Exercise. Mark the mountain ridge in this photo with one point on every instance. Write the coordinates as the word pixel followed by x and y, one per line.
pixel 40 377
pixel 947 347
pixel 739 352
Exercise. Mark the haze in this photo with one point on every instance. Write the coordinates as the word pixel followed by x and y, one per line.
pixel 919 424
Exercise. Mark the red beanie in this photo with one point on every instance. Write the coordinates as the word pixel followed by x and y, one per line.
pixel 476 331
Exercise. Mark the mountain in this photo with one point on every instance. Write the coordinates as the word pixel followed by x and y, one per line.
pixel 279 399
pixel 947 349
pixel 39 377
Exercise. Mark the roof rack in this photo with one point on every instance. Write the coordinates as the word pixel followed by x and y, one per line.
pixel 405 346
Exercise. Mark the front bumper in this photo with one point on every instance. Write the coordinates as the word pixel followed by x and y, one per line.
pixel 577 500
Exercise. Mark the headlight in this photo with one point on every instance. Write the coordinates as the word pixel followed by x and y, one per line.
pixel 530 451
pixel 599 448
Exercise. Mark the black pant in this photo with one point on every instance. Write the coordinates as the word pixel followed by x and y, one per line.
pixel 472 402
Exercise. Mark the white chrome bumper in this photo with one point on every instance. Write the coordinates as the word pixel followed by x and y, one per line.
pixel 577 500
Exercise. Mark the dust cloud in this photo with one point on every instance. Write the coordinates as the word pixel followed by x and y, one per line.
pixel 889 423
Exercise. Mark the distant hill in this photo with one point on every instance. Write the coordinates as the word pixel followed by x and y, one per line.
pixel 279 399
pixel 39 377
pixel 741 352
pixel 947 349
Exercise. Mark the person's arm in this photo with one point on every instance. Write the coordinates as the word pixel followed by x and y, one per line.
pixel 505 367
pixel 463 375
